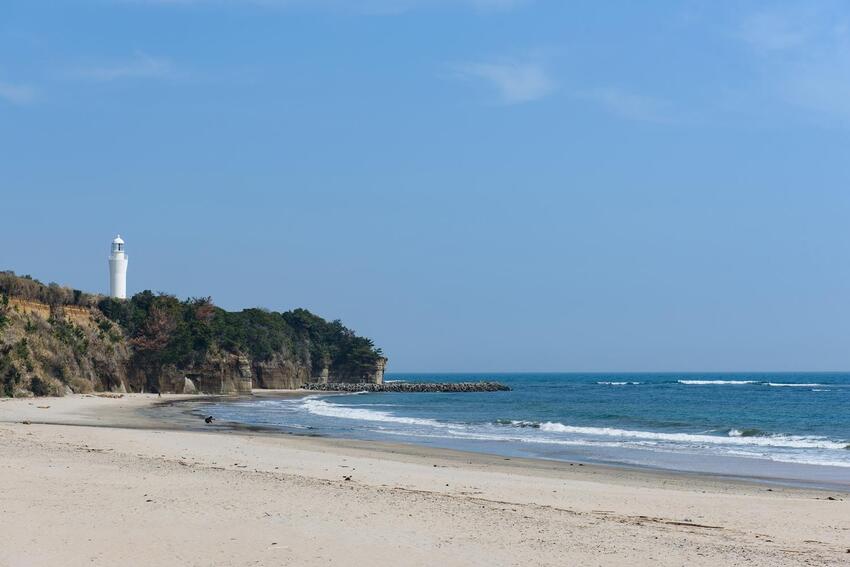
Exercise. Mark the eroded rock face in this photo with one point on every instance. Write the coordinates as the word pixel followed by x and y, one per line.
pixel 323 377
pixel 225 374
pixel 279 373
pixel 378 377
pixel 375 375
pixel 218 374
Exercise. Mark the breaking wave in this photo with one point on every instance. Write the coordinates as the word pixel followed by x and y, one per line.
pixel 518 423
pixel 744 382
pixel 750 438
pixel 320 407
pixel 745 432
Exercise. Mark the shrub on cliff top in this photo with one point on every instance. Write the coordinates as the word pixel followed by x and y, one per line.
pixel 28 288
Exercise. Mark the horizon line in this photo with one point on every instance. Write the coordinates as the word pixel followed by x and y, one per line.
pixel 504 372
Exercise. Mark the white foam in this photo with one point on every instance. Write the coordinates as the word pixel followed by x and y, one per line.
pixel 619 383
pixel 524 423
pixel 716 382
pixel 804 460
pixel 792 441
pixel 323 408
pixel 785 457
pixel 782 384
pixel 480 436
pixel 807 459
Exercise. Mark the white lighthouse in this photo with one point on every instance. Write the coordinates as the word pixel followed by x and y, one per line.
pixel 118 269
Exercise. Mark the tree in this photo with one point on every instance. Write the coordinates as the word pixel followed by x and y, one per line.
pixel 155 332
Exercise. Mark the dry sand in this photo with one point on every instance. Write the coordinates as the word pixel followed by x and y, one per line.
pixel 99 481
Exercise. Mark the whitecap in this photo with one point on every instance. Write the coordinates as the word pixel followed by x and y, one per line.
pixel 524 423
pixel 717 382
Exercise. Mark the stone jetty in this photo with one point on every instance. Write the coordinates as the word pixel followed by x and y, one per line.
pixel 408 387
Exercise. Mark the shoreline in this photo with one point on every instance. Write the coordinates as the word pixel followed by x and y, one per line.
pixel 454 507
pixel 179 412
pixel 800 481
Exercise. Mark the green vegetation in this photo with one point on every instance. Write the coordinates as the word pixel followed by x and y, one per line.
pixel 70 334
pixel 39 387
pixel 10 377
pixel 164 330
pixel 4 309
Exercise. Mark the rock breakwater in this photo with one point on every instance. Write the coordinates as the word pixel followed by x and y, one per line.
pixel 408 387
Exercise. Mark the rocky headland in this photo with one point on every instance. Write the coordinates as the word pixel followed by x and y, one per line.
pixel 55 340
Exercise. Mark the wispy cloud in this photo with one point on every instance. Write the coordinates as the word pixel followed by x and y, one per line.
pixel 363 6
pixel 775 30
pixel 515 82
pixel 629 105
pixel 497 4
pixel 17 93
pixel 140 66
pixel 802 53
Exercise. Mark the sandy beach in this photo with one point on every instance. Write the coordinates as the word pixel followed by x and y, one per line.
pixel 92 480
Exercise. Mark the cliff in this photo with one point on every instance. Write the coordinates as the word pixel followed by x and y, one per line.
pixel 55 340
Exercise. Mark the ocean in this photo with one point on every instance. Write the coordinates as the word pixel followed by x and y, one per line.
pixel 792 428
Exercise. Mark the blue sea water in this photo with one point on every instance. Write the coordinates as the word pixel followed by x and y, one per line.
pixel 793 427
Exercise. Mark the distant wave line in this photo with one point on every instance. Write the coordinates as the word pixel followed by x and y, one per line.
pixel 717 382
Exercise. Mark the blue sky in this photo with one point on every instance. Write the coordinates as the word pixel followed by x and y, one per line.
pixel 476 184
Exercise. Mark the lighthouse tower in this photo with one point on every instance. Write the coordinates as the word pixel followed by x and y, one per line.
pixel 118 270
